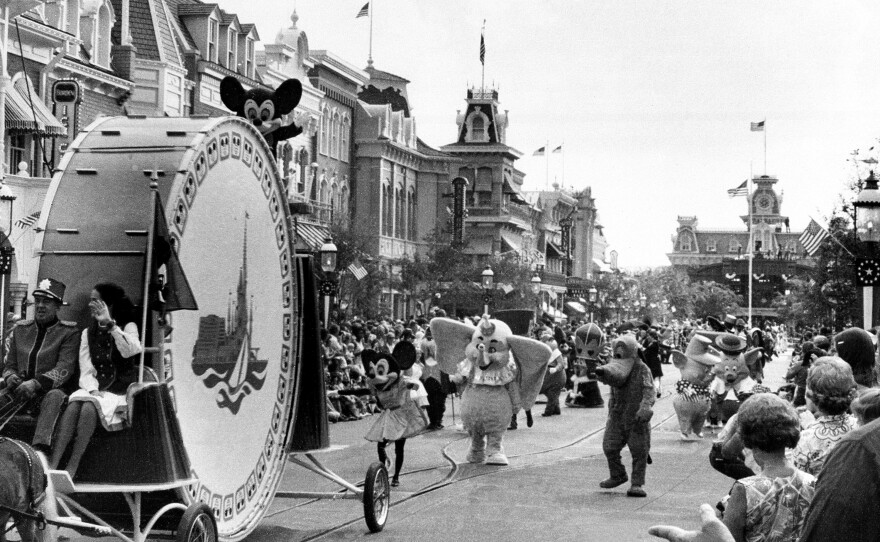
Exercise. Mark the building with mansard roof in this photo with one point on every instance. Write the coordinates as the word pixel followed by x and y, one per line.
pixel 721 255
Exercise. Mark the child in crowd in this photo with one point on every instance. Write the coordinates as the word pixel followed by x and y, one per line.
pixel 770 506
pixel 866 407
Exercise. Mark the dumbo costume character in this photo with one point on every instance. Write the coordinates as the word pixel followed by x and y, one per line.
pixel 488 357
pixel 692 398
pixel 629 414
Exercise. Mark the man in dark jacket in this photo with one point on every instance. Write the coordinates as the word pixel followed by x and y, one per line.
pixel 41 358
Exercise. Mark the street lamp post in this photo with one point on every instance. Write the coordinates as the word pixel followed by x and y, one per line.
pixel 487 278
pixel 536 290
pixel 6 253
pixel 867 223
pixel 592 296
pixel 328 285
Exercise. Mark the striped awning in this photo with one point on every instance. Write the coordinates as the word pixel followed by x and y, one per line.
pixel 20 118
pixel 311 236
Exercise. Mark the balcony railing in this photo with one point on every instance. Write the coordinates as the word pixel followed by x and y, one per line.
pixel 390 247
pixel 320 213
pixel 514 210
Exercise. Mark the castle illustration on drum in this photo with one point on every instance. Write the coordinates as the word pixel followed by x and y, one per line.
pixel 223 355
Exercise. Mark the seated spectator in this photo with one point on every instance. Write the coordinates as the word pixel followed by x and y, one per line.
pixel 866 407
pixel 830 390
pixel 772 505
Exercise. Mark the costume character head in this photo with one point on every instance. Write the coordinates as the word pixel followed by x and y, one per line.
pixel 263 107
pixel 624 356
pixel 698 361
pixel 383 371
pixel 589 342
pixel 735 363
pixel 490 346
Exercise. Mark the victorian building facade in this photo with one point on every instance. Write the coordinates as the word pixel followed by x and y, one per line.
pixel 722 256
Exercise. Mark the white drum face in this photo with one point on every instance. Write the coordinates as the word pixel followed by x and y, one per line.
pixel 229 364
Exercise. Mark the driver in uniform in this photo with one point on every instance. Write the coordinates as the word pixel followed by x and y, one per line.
pixel 41 357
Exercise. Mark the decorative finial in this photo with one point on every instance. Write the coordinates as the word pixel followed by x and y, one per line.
pixel 294 18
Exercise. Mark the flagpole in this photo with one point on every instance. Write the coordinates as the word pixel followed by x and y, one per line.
pixel 765 148
pixel 751 241
pixel 483 56
pixel 372 8
pixel 547 165
pixel 562 146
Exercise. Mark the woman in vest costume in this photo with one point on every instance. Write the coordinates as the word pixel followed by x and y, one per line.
pixel 107 367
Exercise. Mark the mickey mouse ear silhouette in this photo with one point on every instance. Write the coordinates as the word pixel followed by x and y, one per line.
pixel 405 354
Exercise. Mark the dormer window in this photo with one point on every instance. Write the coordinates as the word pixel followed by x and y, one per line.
pixel 249 59
pixel 477 127
pixel 96 22
pixel 231 45
pixel 213 37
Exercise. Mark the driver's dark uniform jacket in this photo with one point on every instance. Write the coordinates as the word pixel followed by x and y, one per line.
pixel 50 355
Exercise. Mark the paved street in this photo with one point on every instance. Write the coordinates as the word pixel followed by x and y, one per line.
pixel 550 488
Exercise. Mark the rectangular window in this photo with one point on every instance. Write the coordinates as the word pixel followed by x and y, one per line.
pixel 20 151
pixel 733 246
pixel 686 244
pixel 231 44
pixel 213 34
pixel 249 60
pixel 711 245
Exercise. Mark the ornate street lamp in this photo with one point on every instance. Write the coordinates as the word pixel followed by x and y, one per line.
pixel 592 296
pixel 867 223
pixel 6 253
pixel 328 266
pixel 536 290
pixel 487 279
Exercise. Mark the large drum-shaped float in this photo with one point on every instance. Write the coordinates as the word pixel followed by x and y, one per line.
pixel 231 366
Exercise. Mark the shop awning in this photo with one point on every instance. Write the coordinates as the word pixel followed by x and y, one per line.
pixel 601 266
pixel 311 236
pixel 479 245
pixel 559 252
pixel 515 195
pixel 511 241
pixel 20 117
pixel 577 307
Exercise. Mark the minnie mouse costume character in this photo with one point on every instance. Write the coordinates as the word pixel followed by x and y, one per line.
pixel 401 417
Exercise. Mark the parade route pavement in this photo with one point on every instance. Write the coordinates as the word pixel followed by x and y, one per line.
pixel 549 490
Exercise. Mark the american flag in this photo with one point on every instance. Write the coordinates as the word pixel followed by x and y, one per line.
pixel 28 221
pixel 757 126
pixel 364 11
pixel 741 190
pixel 482 49
pixel 357 270
pixel 812 237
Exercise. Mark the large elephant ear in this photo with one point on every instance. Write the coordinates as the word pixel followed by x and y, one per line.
pixel 452 338
pixel 531 358
pixel 752 356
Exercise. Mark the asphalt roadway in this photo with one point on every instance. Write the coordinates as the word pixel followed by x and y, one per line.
pixel 549 491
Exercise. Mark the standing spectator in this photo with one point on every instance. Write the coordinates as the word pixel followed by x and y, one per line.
pixel 830 390
pixel 771 505
pixel 554 378
pixel 433 380
pixel 650 342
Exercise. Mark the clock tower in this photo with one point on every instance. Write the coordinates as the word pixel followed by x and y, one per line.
pixel 766 218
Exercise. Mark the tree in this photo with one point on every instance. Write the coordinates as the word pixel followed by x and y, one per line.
pixel 362 295
pixel 713 299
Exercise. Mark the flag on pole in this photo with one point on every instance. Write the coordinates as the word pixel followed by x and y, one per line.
pixel 871 160
pixel 539 152
pixel 557 149
pixel 357 270
pixel 364 11
pixel 741 190
pixel 757 126
pixel 483 45
pixel 28 221
pixel 812 237
pixel 174 293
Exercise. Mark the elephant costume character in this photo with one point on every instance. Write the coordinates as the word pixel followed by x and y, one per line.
pixel 629 414
pixel 485 359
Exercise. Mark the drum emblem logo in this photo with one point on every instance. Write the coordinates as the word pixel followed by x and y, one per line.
pixel 224 356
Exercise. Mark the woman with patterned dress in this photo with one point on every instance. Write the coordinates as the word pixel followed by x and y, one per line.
pixel 770 506
pixel 830 390
pixel 107 358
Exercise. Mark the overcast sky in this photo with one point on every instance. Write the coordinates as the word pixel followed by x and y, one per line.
pixel 652 99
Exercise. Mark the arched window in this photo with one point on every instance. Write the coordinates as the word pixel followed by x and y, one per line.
pixel 388 209
pixel 325 130
pixel 346 129
pixel 411 214
pixel 477 127
pixel 334 138
pixel 324 195
pixel 399 212
pixel 334 191
pixel 105 25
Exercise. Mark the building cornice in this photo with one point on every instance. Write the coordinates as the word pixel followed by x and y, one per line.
pixel 65 68
pixel 335 64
